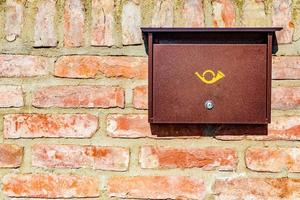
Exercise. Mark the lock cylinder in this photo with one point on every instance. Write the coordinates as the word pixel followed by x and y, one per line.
pixel 209 105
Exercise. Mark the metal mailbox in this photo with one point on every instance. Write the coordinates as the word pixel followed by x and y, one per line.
pixel 216 76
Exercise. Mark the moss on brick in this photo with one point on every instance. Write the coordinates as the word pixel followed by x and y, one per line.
pixel 2 2
pixel 268 6
pixel 296 19
pixel 239 4
pixel 87 20
pixel 178 14
pixel 2 16
pixel 27 32
pixel 296 10
pixel 146 10
pixel 207 7
pixel 118 25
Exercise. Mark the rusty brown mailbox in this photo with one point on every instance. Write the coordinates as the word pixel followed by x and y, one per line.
pixel 210 76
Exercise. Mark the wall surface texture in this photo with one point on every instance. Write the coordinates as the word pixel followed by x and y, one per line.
pixel 73 105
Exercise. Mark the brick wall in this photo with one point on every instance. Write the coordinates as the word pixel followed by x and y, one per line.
pixel 73 105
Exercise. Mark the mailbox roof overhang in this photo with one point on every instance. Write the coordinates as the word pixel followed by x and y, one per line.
pixel 209 29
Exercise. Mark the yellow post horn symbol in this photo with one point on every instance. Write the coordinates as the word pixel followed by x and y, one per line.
pixel 214 79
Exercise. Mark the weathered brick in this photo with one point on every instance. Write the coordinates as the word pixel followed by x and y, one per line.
pixel 281 128
pixel 163 14
pixel 131 23
pixel 256 188
pixel 75 156
pixel 24 66
pixel 49 125
pixel 10 155
pixel 282 17
pixel 11 96
pixel 172 157
pixel 109 66
pixel 14 19
pixel 156 187
pixel 74 23
pixel 79 96
pixel 50 186
pixel 273 159
pixel 284 98
pixel 131 126
pixel 223 13
pixel 103 23
pixel 285 128
pixel 140 97
pixel 286 67
pixel 254 14
pixel 44 28
pixel 193 13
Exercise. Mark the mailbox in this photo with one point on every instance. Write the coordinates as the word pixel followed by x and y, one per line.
pixel 210 76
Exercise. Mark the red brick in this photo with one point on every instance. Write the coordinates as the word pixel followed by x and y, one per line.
pixel 74 23
pixel 75 156
pixel 50 186
pixel 284 98
pixel 131 23
pixel 285 128
pixel 281 128
pixel 282 17
pixel 286 67
pixel 10 155
pixel 47 125
pixel 109 66
pixel 24 66
pixel 256 188
pixel 163 13
pixel 79 96
pixel 44 28
pixel 103 23
pixel 172 157
pixel 193 13
pixel 156 187
pixel 140 97
pixel 11 96
pixel 14 18
pixel 223 13
pixel 273 159
pixel 128 126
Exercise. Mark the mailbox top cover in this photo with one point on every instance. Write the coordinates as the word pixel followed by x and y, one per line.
pixel 208 29
pixel 241 30
pixel 209 75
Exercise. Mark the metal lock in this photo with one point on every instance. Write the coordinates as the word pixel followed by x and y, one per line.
pixel 209 104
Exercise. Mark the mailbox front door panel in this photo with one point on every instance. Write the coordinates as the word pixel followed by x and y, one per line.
pixel 237 89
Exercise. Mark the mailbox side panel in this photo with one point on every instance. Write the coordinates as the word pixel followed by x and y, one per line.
pixel 269 76
pixel 150 76
pixel 239 96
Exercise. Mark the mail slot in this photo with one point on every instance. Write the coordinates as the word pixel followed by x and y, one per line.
pixel 210 76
